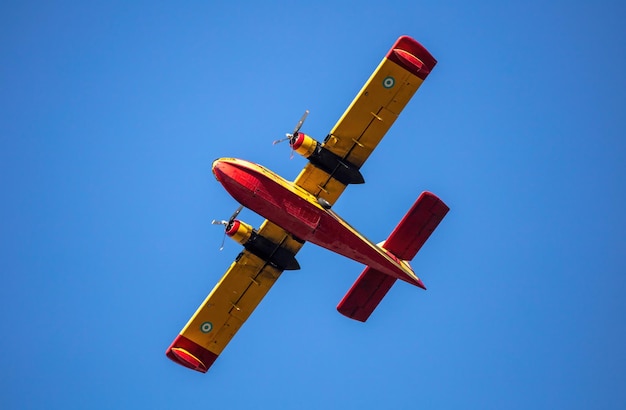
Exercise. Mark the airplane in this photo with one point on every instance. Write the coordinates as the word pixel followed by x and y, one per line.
pixel 301 211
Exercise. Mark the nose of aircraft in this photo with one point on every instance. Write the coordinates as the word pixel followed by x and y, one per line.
pixel 219 168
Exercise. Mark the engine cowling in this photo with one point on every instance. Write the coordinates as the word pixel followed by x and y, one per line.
pixel 239 231
pixel 304 145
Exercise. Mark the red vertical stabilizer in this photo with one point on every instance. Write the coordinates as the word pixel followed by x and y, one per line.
pixel 404 242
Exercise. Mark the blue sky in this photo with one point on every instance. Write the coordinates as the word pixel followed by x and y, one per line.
pixel 112 112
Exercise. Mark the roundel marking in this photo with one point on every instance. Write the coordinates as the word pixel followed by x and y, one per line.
pixel 206 327
pixel 389 82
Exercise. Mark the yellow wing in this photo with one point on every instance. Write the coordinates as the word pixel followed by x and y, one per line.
pixel 371 114
pixel 229 304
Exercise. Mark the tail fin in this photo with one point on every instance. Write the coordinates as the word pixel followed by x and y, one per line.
pixel 404 242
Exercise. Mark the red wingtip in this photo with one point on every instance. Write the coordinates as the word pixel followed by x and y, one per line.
pixel 412 56
pixel 421 284
pixel 189 354
pixel 187 359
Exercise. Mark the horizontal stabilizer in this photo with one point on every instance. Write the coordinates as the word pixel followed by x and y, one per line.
pixel 366 293
pixel 404 242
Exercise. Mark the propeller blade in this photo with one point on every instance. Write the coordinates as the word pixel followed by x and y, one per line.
pixel 287 138
pixel 291 137
pixel 234 215
pixel 223 241
pixel 299 125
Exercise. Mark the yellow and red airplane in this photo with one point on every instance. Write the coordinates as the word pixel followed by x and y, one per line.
pixel 300 211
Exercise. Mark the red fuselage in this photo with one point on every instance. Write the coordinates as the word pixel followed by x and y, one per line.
pixel 298 212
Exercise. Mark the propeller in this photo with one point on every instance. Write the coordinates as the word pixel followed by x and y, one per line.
pixel 292 137
pixel 227 224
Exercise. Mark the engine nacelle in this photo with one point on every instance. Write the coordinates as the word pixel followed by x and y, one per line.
pixel 262 247
pixel 240 231
pixel 327 161
pixel 304 145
